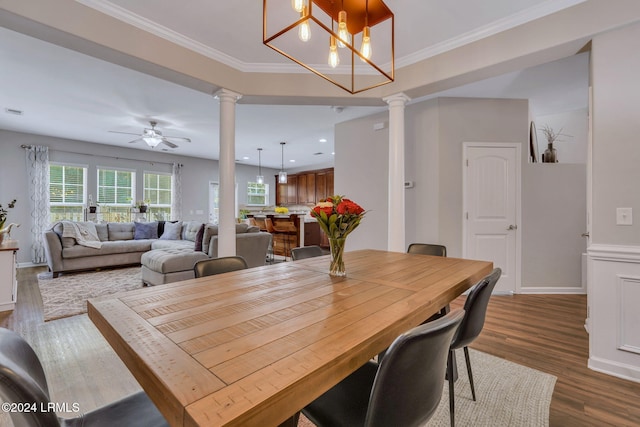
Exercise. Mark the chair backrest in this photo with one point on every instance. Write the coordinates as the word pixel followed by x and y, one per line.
pixel 268 223
pixel 22 380
pixel 408 386
pixel 475 308
pixel 209 267
pixel 306 252
pixel 427 249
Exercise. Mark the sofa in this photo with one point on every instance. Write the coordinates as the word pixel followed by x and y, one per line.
pixel 124 244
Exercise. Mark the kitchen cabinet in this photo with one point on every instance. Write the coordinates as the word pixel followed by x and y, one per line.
pixel 8 279
pixel 305 188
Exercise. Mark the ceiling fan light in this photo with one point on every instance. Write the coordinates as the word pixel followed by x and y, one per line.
pixel 152 141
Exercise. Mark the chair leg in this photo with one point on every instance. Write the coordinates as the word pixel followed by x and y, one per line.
pixel 452 403
pixel 466 358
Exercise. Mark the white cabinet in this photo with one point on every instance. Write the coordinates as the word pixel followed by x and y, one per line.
pixel 8 279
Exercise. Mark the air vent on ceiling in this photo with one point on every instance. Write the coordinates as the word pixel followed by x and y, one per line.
pixel 318 153
pixel 13 111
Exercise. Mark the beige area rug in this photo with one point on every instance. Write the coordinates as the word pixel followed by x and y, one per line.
pixel 508 395
pixel 67 295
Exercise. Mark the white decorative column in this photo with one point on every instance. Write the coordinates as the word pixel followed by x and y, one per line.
pixel 227 172
pixel 396 225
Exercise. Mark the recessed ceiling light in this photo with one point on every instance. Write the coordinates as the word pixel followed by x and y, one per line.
pixel 245 158
pixel 333 153
pixel 323 139
pixel 292 161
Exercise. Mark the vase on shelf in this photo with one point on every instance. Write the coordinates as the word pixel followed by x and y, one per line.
pixel 550 155
pixel 336 268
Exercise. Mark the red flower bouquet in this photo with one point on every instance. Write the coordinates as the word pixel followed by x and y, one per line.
pixel 337 216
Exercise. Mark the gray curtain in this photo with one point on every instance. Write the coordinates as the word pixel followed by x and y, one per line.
pixel 176 192
pixel 38 176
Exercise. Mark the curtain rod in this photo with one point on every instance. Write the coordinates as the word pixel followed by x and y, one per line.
pixel 105 156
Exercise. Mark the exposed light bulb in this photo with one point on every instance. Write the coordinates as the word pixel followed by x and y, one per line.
pixel 334 59
pixel 365 49
pixel 343 34
pixel 297 5
pixel 304 29
pixel 260 179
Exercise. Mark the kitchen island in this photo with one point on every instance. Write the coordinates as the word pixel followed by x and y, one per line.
pixel 290 231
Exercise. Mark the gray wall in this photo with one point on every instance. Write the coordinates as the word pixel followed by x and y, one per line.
pixel 435 131
pixel 616 129
pixel 554 214
pixel 195 177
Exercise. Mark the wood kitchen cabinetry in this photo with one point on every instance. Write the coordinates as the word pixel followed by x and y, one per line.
pixel 305 188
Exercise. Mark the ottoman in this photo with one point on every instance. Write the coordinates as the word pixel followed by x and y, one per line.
pixel 161 266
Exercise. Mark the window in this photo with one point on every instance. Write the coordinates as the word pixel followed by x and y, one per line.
pixel 116 190
pixel 157 193
pixel 67 185
pixel 257 194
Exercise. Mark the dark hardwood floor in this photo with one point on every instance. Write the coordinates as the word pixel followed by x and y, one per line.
pixel 544 332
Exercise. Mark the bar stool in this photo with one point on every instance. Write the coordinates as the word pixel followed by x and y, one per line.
pixel 284 235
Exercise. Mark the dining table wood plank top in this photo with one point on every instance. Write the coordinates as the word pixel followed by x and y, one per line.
pixel 253 347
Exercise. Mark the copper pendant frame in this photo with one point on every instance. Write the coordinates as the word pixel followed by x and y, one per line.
pixel 280 24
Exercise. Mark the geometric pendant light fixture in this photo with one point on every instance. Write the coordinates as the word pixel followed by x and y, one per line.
pixel 350 43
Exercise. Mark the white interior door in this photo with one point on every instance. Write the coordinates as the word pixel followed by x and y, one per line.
pixel 491 203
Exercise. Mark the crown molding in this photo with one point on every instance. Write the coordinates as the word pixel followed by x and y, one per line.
pixel 547 8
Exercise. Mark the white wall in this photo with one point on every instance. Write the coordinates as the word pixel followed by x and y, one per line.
pixel 195 177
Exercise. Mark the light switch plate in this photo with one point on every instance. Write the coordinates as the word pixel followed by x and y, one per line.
pixel 624 216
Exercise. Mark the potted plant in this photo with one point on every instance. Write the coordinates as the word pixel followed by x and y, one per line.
pixel 92 207
pixel 550 155
pixel 142 205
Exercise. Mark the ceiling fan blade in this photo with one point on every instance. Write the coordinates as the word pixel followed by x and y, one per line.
pixel 135 140
pixel 182 138
pixel 169 143
pixel 126 133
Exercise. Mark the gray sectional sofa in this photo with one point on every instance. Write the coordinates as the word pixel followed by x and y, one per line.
pixel 123 244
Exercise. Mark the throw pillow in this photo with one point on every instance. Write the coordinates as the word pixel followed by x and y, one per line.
pixel 199 236
pixel 172 231
pixel 145 230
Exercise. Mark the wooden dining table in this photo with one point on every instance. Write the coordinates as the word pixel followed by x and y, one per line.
pixel 253 347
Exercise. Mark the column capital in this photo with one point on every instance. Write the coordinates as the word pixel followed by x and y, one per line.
pixel 226 94
pixel 397 98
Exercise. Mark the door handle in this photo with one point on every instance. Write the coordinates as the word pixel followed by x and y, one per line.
pixel 512 227
pixel 585 234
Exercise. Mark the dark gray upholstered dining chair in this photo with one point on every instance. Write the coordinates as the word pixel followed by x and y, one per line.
pixel 22 381
pixel 209 267
pixel 306 252
pixel 427 249
pixel 404 389
pixel 475 310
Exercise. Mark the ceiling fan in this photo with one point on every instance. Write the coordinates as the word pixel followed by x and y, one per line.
pixel 153 137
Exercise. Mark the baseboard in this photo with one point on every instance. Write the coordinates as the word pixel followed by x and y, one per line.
pixel 30 264
pixel 579 290
pixel 616 369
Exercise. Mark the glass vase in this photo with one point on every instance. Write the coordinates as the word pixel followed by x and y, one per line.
pixel 336 268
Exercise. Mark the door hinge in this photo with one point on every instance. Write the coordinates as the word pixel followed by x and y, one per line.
pixel 467 162
pixel 466 215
